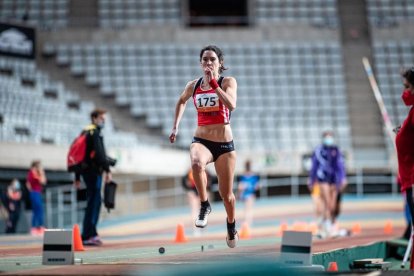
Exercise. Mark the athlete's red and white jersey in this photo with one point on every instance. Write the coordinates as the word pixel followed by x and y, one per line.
pixel 210 109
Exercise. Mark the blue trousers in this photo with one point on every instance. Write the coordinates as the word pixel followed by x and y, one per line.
pixel 93 182
pixel 37 207
pixel 407 213
pixel 14 215
pixel 409 205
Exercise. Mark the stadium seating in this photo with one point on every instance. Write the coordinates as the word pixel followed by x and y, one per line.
pixel 119 13
pixel 288 93
pixel 42 13
pixel 386 13
pixel 315 12
pixel 124 13
pixel 35 109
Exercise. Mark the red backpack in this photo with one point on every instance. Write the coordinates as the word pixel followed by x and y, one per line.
pixel 77 151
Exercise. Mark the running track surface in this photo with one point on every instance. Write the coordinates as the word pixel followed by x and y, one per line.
pixel 131 243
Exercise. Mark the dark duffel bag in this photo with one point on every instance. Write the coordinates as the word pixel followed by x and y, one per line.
pixel 109 195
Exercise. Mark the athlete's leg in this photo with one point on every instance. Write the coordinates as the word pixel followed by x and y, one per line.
pixel 318 206
pixel 317 201
pixel 194 203
pixel 325 196
pixel 337 208
pixel 225 165
pixel 200 157
pixel 333 194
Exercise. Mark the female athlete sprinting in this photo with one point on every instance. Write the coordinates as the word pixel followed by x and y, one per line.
pixel 214 97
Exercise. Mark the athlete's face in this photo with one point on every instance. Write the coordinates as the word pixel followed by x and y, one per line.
pixel 210 60
pixel 408 86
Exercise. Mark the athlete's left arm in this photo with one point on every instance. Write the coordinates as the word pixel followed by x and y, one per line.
pixel 228 94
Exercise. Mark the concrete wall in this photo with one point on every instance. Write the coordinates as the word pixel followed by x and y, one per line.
pixel 147 161
pixel 153 161
pixel 154 34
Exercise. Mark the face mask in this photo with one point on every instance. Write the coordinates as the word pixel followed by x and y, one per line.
pixel 328 141
pixel 407 98
pixel 101 125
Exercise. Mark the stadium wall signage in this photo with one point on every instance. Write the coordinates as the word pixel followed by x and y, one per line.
pixel 17 41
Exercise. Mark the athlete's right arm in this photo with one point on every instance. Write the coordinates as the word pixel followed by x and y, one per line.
pixel 180 107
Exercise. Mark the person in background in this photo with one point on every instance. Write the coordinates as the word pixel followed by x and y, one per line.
pixel 36 179
pixel 12 202
pixel 328 175
pixel 248 185
pixel 404 142
pixel 97 164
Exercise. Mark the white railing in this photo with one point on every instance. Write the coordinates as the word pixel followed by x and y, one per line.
pixel 63 208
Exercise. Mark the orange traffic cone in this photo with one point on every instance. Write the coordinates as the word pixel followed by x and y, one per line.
pixel 77 239
pixel 283 227
pixel 180 234
pixel 313 228
pixel 299 226
pixel 356 229
pixel 333 266
pixel 388 227
pixel 245 232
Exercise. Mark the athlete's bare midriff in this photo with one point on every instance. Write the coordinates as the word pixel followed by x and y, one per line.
pixel 215 133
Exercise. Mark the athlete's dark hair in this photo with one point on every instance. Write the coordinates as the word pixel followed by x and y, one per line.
pixel 219 54
pixel 408 74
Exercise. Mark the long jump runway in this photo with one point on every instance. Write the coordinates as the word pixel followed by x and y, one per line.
pixel 131 244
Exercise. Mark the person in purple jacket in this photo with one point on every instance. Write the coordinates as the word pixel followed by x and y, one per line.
pixel 328 173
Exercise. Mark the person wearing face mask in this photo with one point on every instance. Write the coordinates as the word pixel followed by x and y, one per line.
pixel 96 164
pixel 214 98
pixel 35 180
pixel 327 180
pixel 404 142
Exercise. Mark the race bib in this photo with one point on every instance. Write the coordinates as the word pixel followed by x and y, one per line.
pixel 208 102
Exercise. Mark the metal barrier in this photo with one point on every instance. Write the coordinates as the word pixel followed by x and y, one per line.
pixel 63 209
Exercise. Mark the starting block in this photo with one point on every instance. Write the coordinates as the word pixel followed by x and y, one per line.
pixel 58 247
pixel 296 250
pixel 375 264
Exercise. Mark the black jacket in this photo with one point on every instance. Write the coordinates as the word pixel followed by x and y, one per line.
pixel 96 159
